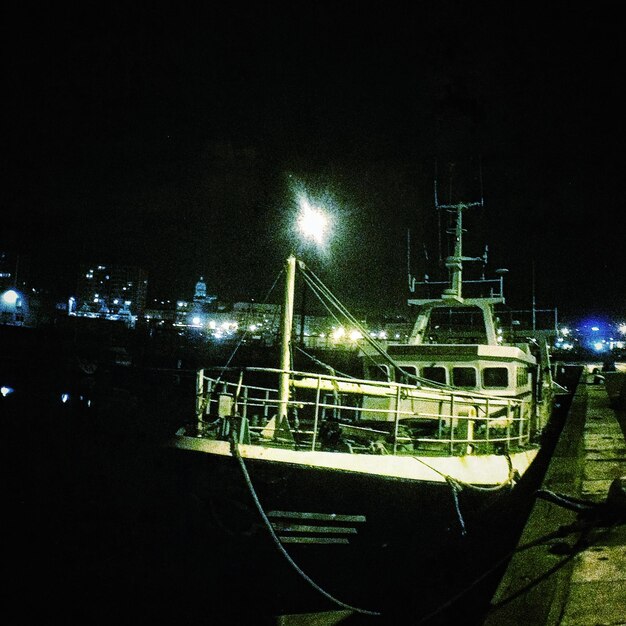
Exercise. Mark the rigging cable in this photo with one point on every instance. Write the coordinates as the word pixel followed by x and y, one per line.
pixel 322 291
pixel 246 332
pixel 329 368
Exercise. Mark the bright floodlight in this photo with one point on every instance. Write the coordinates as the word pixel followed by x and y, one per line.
pixel 312 222
pixel 10 296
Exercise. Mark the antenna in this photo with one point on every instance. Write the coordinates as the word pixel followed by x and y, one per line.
pixel 408 261
pixel 480 175
pixel 438 217
pixel 534 302
pixel 454 261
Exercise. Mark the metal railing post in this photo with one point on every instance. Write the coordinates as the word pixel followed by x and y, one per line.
pixel 395 430
pixel 199 400
pixel 451 423
pixel 317 410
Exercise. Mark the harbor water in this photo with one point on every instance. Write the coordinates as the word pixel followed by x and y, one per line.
pixel 90 533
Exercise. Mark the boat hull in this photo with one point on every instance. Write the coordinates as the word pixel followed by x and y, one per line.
pixel 387 544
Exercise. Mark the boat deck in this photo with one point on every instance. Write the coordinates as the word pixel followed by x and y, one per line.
pixel 580 578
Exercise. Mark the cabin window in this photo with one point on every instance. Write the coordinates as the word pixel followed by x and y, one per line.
pixel 495 377
pixel 408 374
pixel 435 374
pixel 464 377
pixel 522 376
pixel 379 372
pixel 464 324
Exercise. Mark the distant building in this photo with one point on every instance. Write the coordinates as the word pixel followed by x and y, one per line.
pixel 14 270
pixel 196 312
pixel 14 300
pixel 200 293
pixel 13 308
pixel 7 271
pixel 190 313
pixel 114 292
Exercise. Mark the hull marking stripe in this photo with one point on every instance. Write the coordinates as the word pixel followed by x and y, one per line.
pixel 303 528
pixel 326 517
pixel 325 540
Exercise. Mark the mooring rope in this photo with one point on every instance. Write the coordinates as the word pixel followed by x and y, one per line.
pixel 457 486
pixel 454 486
pixel 506 483
pixel 237 454
pixel 604 516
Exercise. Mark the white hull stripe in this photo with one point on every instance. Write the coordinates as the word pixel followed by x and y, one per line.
pixel 488 469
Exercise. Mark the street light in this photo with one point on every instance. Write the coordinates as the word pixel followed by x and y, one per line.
pixel 313 225
pixel 10 297
pixel 312 222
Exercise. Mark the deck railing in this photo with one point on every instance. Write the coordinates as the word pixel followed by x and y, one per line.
pixel 373 416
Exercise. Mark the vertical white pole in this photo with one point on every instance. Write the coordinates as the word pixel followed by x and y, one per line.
pixel 286 328
pixel 199 399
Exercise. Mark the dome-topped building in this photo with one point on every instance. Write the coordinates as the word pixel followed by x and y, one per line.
pixel 200 293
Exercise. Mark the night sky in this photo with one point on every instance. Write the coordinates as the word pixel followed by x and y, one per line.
pixel 176 136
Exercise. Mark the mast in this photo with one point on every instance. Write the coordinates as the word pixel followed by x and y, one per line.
pixel 286 330
pixel 452 290
pixel 454 263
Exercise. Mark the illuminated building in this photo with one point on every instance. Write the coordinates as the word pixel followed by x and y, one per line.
pixel 195 313
pixel 13 301
pixel 114 292
pixel 7 271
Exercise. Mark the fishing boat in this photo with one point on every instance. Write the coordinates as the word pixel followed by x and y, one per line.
pixel 377 494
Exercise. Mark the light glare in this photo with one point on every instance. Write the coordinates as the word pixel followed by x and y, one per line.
pixel 10 296
pixel 312 222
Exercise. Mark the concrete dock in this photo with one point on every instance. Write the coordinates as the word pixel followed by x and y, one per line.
pixel 579 577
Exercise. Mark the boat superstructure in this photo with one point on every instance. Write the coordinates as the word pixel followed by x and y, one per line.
pixel 458 344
